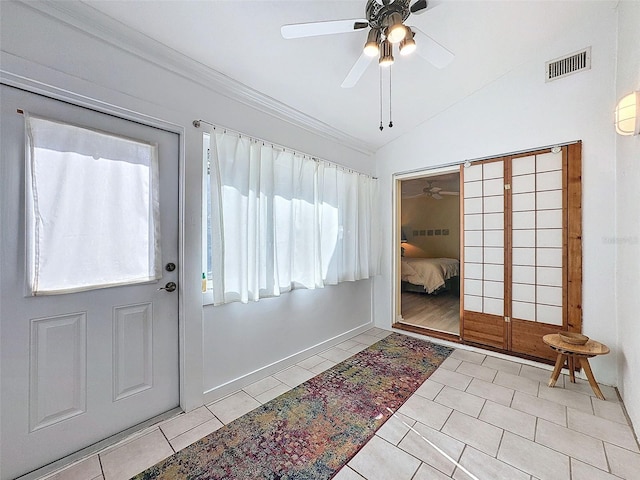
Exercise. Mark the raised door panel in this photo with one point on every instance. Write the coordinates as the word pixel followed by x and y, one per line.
pixel 57 369
pixel 132 350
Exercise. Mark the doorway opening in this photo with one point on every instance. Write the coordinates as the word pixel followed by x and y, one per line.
pixel 428 283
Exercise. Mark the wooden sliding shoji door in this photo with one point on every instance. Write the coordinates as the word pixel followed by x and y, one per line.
pixel 522 269
pixel 484 253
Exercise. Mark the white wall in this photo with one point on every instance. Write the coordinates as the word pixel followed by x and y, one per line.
pixel 519 111
pixel 237 339
pixel 266 333
pixel 627 238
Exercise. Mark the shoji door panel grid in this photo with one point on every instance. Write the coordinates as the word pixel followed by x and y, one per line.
pixel 537 238
pixel 484 238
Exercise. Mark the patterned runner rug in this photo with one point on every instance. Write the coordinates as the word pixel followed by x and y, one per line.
pixel 314 429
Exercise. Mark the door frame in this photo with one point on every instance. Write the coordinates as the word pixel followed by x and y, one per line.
pixel 187 397
pixel 396 304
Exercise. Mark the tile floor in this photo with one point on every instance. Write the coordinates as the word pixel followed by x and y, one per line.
pixel 496 418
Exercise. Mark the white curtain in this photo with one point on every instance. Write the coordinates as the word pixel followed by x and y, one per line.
pixel 281 220
pixel 92 211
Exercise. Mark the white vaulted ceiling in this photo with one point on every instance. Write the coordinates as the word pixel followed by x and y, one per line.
pixel 242 41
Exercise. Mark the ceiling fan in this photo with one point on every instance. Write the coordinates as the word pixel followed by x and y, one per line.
pixel 434 192
pixel 385 21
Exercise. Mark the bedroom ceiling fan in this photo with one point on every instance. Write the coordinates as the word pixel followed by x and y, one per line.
pixel 385 21
pixel 434 192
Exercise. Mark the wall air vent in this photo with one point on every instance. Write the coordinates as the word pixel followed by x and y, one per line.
pixel 573 63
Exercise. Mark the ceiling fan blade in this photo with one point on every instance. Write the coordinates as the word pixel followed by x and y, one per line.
pixel 414 196
pixel 356 71
pixel 299 30
pixel 421 6
pixel 449 193
pixel 435 189
pixel 431 50
pixel 437 196
pixel 418 7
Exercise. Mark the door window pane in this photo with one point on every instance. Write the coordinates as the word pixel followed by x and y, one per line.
pixel 92 209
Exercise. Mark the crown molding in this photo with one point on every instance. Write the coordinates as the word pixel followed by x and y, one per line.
pixel 91 22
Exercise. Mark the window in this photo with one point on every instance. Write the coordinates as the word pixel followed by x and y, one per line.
pixel 91 207
pixel 277 220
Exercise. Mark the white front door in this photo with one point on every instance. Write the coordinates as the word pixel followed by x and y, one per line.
pixel 79 367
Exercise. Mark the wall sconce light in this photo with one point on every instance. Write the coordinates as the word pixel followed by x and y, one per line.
pixel 627 114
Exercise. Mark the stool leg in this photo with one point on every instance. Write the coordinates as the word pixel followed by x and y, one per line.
pixel 572 369
pixel 556 370
pixel 584 361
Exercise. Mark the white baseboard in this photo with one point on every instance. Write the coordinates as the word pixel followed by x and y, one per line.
pixel 239 383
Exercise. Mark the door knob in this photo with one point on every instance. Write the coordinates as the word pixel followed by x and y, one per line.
pixel 169 287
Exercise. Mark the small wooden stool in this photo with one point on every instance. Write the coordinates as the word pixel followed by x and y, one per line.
pixel 572 353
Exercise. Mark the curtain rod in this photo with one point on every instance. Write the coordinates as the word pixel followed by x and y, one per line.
pixel 197 124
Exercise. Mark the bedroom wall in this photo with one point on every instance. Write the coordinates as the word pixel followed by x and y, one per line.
pixel 424 215
pixel 221 344
pixel 627 237
pixel 519 111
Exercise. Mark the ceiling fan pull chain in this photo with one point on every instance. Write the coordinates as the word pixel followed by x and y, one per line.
pixel 390 120
pixel 381 126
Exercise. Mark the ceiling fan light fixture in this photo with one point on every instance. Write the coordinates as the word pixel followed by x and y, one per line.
pixel 408 45
pixel 372 48
pixel 386 54
pixel 396 31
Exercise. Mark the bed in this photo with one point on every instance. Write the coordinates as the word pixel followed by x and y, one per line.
pixel 430 275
